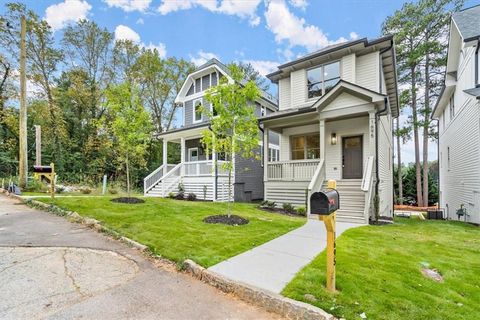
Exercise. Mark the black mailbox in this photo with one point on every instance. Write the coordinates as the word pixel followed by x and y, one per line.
pixel 42 169
pixel 325 202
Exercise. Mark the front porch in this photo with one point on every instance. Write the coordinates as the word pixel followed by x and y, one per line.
pixel 199 172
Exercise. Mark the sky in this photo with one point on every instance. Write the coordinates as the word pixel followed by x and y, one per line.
pixel 265 33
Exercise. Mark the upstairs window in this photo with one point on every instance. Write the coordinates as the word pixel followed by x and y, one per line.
pixel 305 147
pixel 322 79
pixel 263 111
pixel 197 111
pixel 452 107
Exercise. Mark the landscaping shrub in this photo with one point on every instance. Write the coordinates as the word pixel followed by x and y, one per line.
pixel 180 196
pixel 35 186
pixel 302 211
pixel 288 208
pixel 86 190
pixel 268 204
pixel 181 188
pixel 59 189
pixel 192 197
pixel 171 195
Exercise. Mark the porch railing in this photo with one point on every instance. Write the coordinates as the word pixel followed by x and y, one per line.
pixel 154 178
pixel 316 182
pixel 367 186
pixel 203 168
pixel 295 170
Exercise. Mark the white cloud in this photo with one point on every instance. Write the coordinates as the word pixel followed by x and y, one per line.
pixel 160 47
pixel 263 67
pixel 129 5
pixel 140 21
pixel 353 35
pixel 244 9
pixel 60 14
pixel 125 33
pixel 302 4
pixel 288 27
pixel 203 57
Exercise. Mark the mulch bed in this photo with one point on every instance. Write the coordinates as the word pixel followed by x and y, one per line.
pixel 233 220
pixel 381 221
pixel 280 211
pixel 413 208
pixel 129 200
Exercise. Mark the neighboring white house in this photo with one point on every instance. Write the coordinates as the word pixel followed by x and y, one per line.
pixel 196 169
pixel 458 114
pixel 336 108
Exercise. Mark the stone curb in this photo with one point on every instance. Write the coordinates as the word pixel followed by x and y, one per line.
pixel 286 307
pixel 270 301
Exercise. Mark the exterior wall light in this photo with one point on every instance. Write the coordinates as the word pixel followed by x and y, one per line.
pixel 333 139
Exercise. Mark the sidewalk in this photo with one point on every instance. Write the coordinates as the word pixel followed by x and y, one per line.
pixel 273 265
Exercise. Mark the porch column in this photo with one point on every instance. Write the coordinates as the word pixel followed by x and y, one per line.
pixel 214 173
pixel 182 155
pixel 322 139
pixel 265 153
pixel 165 156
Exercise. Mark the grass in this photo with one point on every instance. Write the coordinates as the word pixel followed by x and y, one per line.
pixel 175 230
pixel 379 272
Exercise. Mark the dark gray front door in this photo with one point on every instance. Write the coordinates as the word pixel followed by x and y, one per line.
pixel 352 157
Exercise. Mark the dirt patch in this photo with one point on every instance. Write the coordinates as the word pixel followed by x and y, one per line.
pixel 432 274
pixel 233 220
pixel 129 200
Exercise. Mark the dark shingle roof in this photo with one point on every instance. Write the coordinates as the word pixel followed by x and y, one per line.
pixel 468 22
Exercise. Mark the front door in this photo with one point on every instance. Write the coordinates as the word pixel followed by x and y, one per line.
pixel 352 157
pixel 192 154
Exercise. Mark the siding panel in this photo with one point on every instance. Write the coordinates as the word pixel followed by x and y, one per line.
pixel 367 73
pixel 298 83
pixel 284 89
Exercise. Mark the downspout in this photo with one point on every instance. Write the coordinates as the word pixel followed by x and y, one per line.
pixel 216 171
pixel 377 175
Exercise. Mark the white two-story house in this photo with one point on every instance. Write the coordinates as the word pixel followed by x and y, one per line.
pixel 336 108
pixel 458 113
pixel 196 169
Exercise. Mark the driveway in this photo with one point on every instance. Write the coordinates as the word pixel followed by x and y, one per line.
pixel 51 268
pixel 274 264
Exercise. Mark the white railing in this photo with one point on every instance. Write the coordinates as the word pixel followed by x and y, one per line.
pixel 296 170
pixel 367 186
pixel 204 168
pixel 154 178
pixel 316 182
pixel 171 179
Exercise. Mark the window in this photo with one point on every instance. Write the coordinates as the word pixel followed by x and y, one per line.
pixel 197 112
pixel 193 154
pixel 322 79
pixel 263 111
pixel 305 147
pixel 452 107
pixel 273 154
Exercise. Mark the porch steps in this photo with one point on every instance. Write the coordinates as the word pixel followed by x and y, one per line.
pixel 352 201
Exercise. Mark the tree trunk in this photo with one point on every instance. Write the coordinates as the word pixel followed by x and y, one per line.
pixel 128 176
pixel 418 168
pixel 426 125
pixel 399 165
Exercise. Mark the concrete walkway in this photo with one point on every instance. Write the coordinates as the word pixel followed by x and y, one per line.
pixel 273 265
pixel 53 269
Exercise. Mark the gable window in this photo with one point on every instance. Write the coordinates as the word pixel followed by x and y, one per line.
pixel 263 111
pixel 305 147
pixel 322 79
pixel 452 107
pixel 197 111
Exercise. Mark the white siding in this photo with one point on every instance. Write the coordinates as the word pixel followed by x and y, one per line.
pixel 284 96
pixel 385 188
pixel 348 68
pixel 298 84
pixel 367 71
pixel 333 153
pixel 344 100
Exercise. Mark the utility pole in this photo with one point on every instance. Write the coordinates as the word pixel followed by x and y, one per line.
pixel 23 165
pixel 38 145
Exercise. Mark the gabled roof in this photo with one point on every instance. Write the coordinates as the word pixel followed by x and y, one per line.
pixel 223 69
pixel 351 88
pixel 468 23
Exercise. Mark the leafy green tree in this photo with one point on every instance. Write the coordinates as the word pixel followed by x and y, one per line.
pixel 130 125
pixel 233 130
pixel 251 74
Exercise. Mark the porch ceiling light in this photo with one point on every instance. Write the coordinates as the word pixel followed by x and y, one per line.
pixel 333 139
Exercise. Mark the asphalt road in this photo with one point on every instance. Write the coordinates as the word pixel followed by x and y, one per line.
pixel 51 268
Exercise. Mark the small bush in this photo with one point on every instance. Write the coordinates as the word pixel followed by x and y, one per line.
pixel 113 191
pixel 181 188
pixel 86 190
pixel 302 211
pixel 180 196
pixel 59 190
pixel 36 186
pixel 171 195
pixel 288 208
pixel 192 197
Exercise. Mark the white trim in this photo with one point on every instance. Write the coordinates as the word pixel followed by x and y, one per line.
pixel 190 155
pixel 194 112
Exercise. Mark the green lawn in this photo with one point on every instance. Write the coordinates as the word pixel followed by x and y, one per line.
pixel 175 230
pixel 378 272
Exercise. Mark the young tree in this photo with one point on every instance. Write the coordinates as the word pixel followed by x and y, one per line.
pixel 234 128
pixel 250 74
pixel 130 126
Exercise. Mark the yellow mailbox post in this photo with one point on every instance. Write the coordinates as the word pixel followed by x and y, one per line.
pixel 47 172
pixel 326 203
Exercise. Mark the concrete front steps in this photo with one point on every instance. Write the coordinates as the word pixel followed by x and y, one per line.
pixel 352 201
